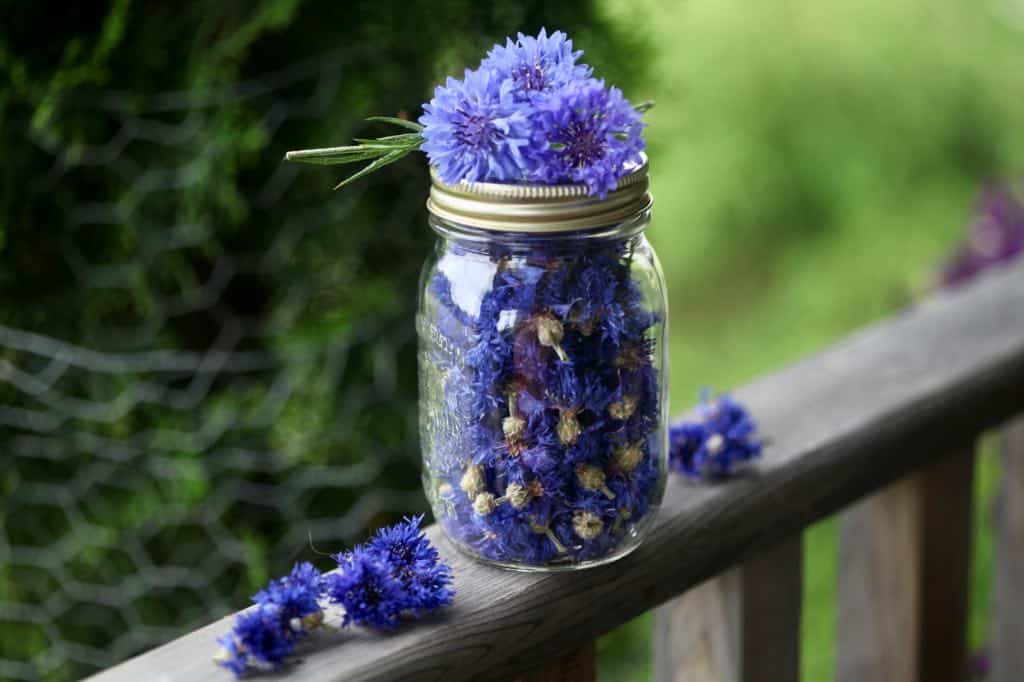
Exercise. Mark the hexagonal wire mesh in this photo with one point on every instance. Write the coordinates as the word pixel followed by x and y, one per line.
pixel 156 474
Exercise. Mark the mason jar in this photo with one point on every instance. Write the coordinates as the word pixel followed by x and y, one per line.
pixel 542 371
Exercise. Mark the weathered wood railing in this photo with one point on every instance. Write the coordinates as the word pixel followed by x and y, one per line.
pixel 891 413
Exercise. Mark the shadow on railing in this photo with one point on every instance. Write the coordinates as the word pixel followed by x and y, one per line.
pixel 888 417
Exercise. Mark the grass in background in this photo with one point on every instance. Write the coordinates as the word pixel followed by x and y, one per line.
pixel 812 165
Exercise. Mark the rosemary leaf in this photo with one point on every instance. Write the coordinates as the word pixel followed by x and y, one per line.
pixel 337 155
pixel 377 164
pixel 401 122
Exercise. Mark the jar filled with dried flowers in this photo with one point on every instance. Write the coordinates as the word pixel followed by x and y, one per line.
pixel 542 371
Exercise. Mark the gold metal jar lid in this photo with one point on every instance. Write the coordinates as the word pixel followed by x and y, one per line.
pixel 508 207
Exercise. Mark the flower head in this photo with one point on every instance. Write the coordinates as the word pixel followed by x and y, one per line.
pixel 257 638
pixel 368 589
pixel 422 580
pixel 475 130
pixel 714 446
pixel 586 133
pixel 537 66
pixel 295 595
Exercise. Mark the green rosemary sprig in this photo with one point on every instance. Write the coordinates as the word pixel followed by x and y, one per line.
pixel 380 151
pixel 643 107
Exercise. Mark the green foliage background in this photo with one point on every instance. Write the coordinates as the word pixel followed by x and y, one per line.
pixel 812 164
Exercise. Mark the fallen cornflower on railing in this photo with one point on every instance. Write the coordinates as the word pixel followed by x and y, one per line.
pixel 901 402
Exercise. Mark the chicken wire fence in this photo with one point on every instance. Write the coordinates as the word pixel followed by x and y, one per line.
pixel 201 402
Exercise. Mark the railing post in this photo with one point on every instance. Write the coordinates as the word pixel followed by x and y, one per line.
pixel 743 626
pixel 903 570
pixel 577 666
pixel 1008 612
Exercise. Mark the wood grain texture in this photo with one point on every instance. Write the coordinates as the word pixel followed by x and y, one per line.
pixel 577 666
pixel 1008 611
pixel 903 572
pixel 843 423
pixel 742 626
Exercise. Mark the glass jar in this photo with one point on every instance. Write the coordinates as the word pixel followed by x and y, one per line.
pixel 542 365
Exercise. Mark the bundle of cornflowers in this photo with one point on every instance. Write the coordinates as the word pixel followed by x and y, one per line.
pixel 397 574
pixel 530 112
pixel 715 445
pixel 543 405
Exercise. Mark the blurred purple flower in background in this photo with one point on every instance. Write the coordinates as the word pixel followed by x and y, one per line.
pixel 995 237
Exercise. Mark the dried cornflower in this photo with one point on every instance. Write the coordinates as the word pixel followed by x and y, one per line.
pixel 568 428
pixel 473 482
pixel 484 504
pixel 587 525
pixel 623 409
pixel 517 495
pixel 717 443
pixel 629 456
pixel 550 334
pixel 397 573
pixel 593 478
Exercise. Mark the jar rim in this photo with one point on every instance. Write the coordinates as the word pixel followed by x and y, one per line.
pixel 535 208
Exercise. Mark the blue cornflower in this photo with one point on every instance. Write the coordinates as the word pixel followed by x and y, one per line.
pixel 366 586
pixel 257 638
pixel 416 563
pixel 475 130
pixel 586 133
pixel 295 595
pixel 714 446
pixel 537 66
pixel 685 438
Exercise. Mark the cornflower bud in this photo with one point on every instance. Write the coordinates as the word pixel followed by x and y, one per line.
pixel 550 333
pixel 629 456
pixel 473 482
pixel 484 504
pixel 593 478
pixel 587 525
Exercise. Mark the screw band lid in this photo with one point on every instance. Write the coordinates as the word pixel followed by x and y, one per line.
pixel 533 208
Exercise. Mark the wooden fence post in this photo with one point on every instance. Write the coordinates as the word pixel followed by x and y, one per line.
pixel 903 570
pixel 1008 611
pixel 742 626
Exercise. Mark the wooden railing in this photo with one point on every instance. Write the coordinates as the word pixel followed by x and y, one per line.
pixel 887 418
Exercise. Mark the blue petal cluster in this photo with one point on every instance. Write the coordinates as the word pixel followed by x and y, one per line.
pixel 532 113
pixel 398 573
pixel 588 134
pixel 536 67
pixel 547 404
pixel 715 445
pixel 285 610
pixel 475 130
